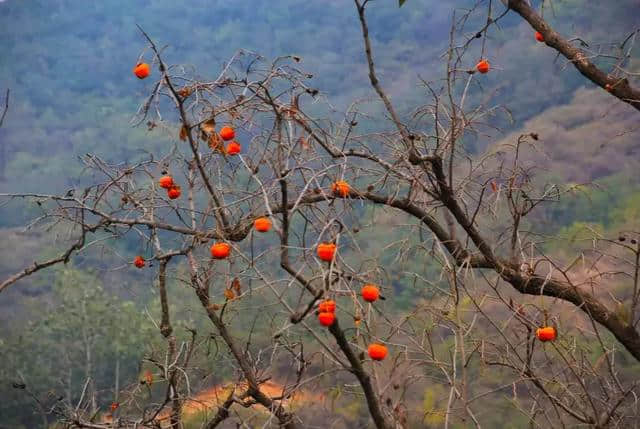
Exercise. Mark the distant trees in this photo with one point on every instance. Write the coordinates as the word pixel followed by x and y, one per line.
pixel 447 228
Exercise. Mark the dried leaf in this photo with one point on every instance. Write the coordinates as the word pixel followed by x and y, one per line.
pixel 183 133
pixel 185 91
pixel 209 126
pixel 228 293
pixel 236 286
pixel 216 144
pixel 214 307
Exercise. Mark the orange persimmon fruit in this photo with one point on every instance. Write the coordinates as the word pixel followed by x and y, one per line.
pixel 138 261
pixel 262 224
pixel 326 318
pixel 326 251
pixel 546 333
pixel 370 293
pixel 377 351
pixel 227 133
pixel 327 306
pixel 483 66
pixel 174 192
pixel 220 250
pixel 341 188
pixel 142 70
pixel 233 148
pixel 166 182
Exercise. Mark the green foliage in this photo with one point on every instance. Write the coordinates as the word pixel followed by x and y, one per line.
pixel 84 332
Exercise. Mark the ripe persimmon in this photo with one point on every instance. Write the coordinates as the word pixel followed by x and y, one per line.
pixel 483 66
pixel 227 133
pixel 262 224
pixel 142 70
pixel 377 351
pixel 546 333
pixel 326 251
pixel 138 261
pixel 326 318
pixel 166 182
pixel 233 148
pixel 539 37
pixel 340 188
pixel 370 293
pixel 174 192
pixel 327 306
pixel 220 250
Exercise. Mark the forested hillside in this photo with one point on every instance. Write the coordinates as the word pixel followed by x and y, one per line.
pixel 95 324
pixel 68 67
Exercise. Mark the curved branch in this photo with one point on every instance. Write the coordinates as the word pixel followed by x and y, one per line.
pixel 362 376
pixel 620 88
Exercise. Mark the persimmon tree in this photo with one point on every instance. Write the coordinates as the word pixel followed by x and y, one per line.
pixel 460 238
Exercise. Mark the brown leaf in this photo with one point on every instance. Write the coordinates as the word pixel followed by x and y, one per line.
pixel 185 92
pixel 228 293
pixel 236 286
pixel 183 133
pixel 216 144
pixel 209 126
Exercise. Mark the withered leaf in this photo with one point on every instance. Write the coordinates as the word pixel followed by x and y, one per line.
pixel 209 126
pixel 236 286
pixel 216 144
pixel 183 133
pixel 185 91
pixel 229 294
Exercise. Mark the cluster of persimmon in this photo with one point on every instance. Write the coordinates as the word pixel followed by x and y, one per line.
pixel 227 133
pixel 327 317
pixel 143 70
pixel 327 312
pixel 173 190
